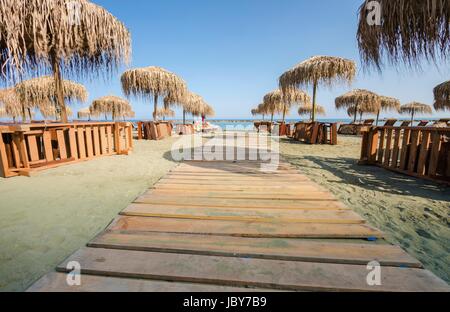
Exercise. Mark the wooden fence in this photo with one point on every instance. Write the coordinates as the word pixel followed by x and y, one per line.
pixel 31 147
pixel 422 152
pixel 316 133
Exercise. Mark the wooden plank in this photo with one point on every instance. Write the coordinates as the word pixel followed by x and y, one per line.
pixel 373 141
pixel 306 187
pixel 405 149
pixel 33 148
pixel 434 157
pixel 96 141
pixel 415 137
pixel 260 248
pixel 103 141
pixel 20 151
pixel 61 144
pixel 48 150
pixel 81 143
pixel 424 152
pixel 226 271
pixel 73 144
pixel 89 144
pixel 225 183
pixel 57 282
pixel 388 149
pixel 396 150
pixel 117 145
pixel 110 140
pixel 245 214
pixel 4 164
pixel 244 228
pixel 247 195
pixel 241 203
pixel 381 146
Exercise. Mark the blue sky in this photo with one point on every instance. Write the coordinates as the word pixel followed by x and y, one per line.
pixel 233 51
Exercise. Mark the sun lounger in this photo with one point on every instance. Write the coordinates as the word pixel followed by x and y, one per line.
pixel 423 123
pixel 405 124
pixel 390 122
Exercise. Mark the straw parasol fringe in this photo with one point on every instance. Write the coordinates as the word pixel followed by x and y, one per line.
pixel 282 101
pixel 318 70
pixel 40 91
pixel 189 101
pixel 442 96
pixel 409 30
pixel 12 106
pixel 308 109
pixel 414 108
pixel 113 105
pixel 387 103
pixel 359 100
pixel 66 37
pixel 165 112
pixel 154 82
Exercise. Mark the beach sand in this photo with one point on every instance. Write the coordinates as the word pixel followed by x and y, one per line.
pixel 46 218
pixel 413 213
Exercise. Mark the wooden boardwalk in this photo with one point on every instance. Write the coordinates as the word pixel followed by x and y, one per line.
pixel 224 226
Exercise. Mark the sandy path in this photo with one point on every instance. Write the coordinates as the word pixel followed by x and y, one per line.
pixel 45 218
pixel 414 213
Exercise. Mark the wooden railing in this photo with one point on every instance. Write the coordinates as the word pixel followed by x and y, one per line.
pixel 316 133
pixel 422 152
pixel 31 147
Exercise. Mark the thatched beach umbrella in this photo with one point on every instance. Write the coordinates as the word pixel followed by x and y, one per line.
pixel 272 107
pixel 165 112
pixel 388 103
pixel 408 31
pixel 442 96
pixel 84 113
pixel 308 110
pixel 12 106
pixel 154 82
pixel 359 101
pixel 114 105
pixel 286 99
pixel 40 93
pixel 415 108
pixel 70 37
pixel 49 111
pixel 190 103
pixel 318 70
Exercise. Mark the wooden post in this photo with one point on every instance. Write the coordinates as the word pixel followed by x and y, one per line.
pixel 140 124
pixel 59 89
pixel 313 114
pixel 117 138
pixel 4 165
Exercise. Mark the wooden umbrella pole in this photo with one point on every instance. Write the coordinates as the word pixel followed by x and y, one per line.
pixel 378 117
pixel 356 113
pixel 314 102
pixel 155 108
pixel 184 117
pixel 59 89
pixel 412 117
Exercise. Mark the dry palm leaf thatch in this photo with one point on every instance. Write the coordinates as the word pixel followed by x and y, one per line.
pixel 318 70
pixel 273 107
pixel 415 108
pixel 308 109
pixel 442 96
pixel 3 113
pixel 50 111
pixel 12 105
pixel 409 30
pixel 165 112
pixel 190 102
pixel 154 82
pixel 360 101
pixel 41 91
pixel 287 98
pixel 114 105
pixel 84 113
pixel 66 37
pixel 387 104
